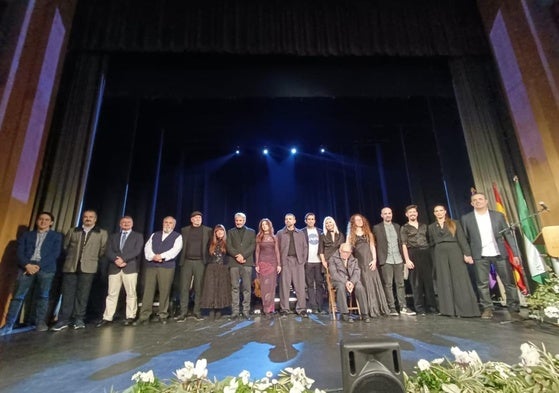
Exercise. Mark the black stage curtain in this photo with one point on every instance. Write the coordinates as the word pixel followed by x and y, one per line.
pixel 170 158
pixel 287 27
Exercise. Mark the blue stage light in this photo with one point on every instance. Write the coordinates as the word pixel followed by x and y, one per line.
pixel 293 150
pixel 265 151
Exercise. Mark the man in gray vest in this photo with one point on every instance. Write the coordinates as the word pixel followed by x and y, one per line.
pixel 161 252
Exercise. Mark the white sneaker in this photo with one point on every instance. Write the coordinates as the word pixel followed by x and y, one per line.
pixel 407 311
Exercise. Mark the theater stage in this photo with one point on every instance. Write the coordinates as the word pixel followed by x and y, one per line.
pixel 101 359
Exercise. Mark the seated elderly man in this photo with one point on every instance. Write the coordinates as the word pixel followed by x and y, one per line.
pixel 345 276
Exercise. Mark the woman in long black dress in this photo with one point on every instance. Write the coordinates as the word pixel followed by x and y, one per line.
pixel 360 236
pixel 216 292
pixel 452 252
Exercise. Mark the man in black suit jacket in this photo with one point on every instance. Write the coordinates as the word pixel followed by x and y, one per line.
pixel 391 262
pixel 124 252
pixel 486 231
pixel 241 244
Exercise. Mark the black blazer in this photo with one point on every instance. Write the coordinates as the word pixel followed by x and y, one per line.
pixel 131 253
pixel 381 242
pixel 498 223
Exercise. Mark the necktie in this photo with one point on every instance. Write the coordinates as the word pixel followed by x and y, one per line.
pixel 123 239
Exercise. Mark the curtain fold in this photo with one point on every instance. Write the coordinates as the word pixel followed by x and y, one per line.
pixel 492 147
pixel 291 27
pixel 69 152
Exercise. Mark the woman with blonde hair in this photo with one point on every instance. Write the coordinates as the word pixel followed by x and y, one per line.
pixel 451 254
pixel 360 236
pixel 267 264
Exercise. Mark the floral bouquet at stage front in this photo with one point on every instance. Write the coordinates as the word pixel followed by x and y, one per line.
pixel 193 378
pixel 537 371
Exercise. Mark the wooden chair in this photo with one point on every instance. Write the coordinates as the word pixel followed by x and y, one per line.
pixel 332 298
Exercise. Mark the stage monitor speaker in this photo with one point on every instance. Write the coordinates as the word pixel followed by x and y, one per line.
pixel 371 366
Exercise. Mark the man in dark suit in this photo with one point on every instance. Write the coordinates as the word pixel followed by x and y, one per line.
pixel 345 274
pixel 293 248
pixel 391 262
pixel 195 241
pixel 37 255
pixel 486 231
pixel 124 252
pixel 241 243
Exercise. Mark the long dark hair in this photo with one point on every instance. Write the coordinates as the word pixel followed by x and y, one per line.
pixel 218 242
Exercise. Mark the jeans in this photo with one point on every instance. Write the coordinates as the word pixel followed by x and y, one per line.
pixel 42 282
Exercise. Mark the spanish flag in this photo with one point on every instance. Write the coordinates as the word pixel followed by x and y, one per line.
pixel 516 270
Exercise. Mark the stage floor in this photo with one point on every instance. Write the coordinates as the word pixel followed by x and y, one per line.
pixel 101 359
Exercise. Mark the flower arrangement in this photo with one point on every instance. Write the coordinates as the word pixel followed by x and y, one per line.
pixel 194 378
pixel 544 302
pixel 537 371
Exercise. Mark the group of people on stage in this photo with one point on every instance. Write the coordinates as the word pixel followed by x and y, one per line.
pixel 217 266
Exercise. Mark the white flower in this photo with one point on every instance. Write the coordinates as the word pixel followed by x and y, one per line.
pixel 232 387
pixel 450 388
pixel 262 384
pixel 504 370
pixel 269 374
pixel 530 355
pixel 245 376
pixel 470 358
pixel 200 370
pixel 551 312
pixel 144 377
pixel 437 361
pixel 423 365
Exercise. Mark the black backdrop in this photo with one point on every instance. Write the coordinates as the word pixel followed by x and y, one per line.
pixel 167 131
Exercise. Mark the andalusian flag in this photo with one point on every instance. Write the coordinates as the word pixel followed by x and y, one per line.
pixel 529 232
pixel 516 270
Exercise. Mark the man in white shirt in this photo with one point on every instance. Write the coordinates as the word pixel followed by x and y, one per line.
pixel 313 267
pixel 486 231
pixel 161 252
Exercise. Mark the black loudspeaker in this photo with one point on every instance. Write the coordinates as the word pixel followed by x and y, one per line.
pixel 371 366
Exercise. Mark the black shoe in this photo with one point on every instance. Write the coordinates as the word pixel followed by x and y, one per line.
pixel 284 313
pixel 141 322
pixel 180 318
pixel 128 322
pixel 103 322
pixel 304 314
pixel 198 317
pixel 366 319
pixel 61 325
pixel 347 318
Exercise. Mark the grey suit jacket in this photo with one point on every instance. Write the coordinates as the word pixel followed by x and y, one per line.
pixel 381 242
pixel 339 273
pixel 93 249
pixel 301 245
pixel 471 230
pixel 131 253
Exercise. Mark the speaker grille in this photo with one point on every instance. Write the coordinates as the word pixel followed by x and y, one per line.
pixel 378 382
